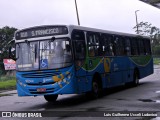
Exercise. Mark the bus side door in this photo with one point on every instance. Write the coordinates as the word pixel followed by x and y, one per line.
pixel 118 65
pixel 79 49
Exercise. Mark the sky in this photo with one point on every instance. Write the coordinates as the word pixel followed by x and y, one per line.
pixel 114 15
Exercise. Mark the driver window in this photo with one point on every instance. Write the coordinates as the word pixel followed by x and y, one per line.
pixel 79 50
pixel 79 44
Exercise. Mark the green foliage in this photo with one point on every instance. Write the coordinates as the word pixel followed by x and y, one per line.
pixel 6 35
pixel 156 61
pixel 156 50
pixel 144 28
pixel 6 78
pixel 7 84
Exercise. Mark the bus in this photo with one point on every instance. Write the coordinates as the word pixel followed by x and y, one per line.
pixel 70 59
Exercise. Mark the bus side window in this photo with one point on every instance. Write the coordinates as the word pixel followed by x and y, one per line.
pixel 114 45
pixel 127 47
pixel 121 46
pixel 79 44
pixel 134 47
pixel 93 44
pixel 147 47
pixel 90 39
pixel 118 46
pixel 106 44
pixel 97 43
pixel 79 50
pixel 141 47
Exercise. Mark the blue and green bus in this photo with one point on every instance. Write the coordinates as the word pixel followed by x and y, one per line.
pixel 69 59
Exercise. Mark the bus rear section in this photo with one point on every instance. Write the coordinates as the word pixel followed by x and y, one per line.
pixel 107 59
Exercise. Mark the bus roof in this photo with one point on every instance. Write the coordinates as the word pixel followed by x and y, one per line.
pixel 71 27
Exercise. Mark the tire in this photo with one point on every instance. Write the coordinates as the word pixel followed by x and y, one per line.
pixel 51 98
pixel 96 90
pixel 136 79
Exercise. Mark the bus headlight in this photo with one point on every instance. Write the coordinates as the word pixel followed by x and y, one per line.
pixel 69 76
pixel 59 83
pixel 64 80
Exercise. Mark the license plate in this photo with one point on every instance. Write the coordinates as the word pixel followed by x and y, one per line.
pixel 41 89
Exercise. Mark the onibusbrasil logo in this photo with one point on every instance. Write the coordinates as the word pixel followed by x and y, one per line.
pixel 21 114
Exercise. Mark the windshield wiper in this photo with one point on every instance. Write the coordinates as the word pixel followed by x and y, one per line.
pixel 45 47
pixel 27 42
pixel 35 50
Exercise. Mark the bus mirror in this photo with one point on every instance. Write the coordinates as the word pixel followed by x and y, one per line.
pixel 11 42
pixel 10 52
pixel 53 39
pixel 27 42
pixel 68 48
pixel 10 49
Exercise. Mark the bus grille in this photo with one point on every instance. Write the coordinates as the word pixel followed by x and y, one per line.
pixel 35 84
pixel 48 90
pixel 39 75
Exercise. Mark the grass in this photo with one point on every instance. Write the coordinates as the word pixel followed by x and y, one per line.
pixel 1 95
pixel 7 82
pixel 6 78
pixel 156 61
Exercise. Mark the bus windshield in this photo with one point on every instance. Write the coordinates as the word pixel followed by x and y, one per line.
pixel 45 54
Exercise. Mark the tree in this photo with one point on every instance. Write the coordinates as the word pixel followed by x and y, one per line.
pixel 145 28
pixel 6 35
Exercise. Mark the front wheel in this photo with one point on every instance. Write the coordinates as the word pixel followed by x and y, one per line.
pixel 51 98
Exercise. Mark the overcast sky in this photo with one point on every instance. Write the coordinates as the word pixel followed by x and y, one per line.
pixel 115 15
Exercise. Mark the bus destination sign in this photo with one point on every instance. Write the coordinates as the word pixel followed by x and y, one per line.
pixel 41 32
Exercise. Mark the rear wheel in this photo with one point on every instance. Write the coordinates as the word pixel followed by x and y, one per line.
pixel 51 98
pixel 96 90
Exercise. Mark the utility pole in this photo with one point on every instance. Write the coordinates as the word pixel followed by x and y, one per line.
pixel 77 12
pixel 136 20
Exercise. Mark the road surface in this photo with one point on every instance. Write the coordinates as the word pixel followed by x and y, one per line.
pixel 145 97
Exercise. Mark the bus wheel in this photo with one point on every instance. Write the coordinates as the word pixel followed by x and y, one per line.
pixel 96 90
pixel 136 79
pixel 51 98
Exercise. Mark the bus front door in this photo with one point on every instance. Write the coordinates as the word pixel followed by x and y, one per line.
pixel 79 60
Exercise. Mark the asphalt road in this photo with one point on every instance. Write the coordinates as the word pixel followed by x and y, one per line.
pixel 145 97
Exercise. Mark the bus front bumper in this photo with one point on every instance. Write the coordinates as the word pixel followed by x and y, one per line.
pixel 63 87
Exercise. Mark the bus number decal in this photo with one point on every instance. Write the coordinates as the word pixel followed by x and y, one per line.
pixel 23 34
